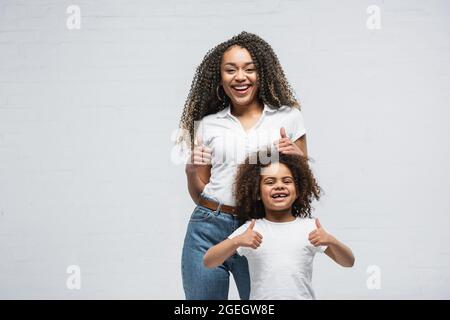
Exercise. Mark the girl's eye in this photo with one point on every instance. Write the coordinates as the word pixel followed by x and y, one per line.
pixel 229 71
pixel 250 70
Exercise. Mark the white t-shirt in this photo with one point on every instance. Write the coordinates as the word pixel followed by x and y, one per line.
pixel 281 268
pixel 230 143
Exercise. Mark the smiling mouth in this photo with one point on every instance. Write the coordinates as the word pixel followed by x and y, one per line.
pixel 279 197
pixel 241 89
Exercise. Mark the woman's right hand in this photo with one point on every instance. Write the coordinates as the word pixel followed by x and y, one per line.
pixel 201 155
pixel 250 238
pixel 198 169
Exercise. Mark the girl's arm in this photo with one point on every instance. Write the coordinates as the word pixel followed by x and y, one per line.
pixel 216 255
pixel 336 250
pixel 340 253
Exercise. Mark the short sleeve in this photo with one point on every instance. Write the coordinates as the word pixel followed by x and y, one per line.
pixel 297 124
pixel 311 228
pixel 237 232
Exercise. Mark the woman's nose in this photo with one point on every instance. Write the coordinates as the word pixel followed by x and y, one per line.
pixel 240 75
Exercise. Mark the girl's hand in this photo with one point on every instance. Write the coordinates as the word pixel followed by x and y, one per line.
pixel 250 238
pixel 320 237
pixel 286 146
pixel 201 154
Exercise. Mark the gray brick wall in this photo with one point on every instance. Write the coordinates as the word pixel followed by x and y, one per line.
pixel 86 176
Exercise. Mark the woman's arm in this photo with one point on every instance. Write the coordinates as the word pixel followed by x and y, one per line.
pixel 197 177
pixel 216 255
pixel 336 250
pixel 198 169
pixel 286 146
pixel 301 143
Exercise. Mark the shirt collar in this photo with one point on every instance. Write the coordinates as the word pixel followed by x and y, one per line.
pixel 227 111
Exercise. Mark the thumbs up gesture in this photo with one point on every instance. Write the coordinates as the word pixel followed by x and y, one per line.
pixel 286 146
pixel 201 154
pixel 320 237
pixel 250 238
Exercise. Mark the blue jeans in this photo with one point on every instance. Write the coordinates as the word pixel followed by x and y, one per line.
pixel 207 228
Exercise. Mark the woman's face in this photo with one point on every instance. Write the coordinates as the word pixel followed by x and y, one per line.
pixel 239 76
pixel 277 187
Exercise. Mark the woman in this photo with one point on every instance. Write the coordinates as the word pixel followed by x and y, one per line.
pixel 240 101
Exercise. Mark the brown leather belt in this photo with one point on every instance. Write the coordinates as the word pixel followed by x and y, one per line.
pixel 213 205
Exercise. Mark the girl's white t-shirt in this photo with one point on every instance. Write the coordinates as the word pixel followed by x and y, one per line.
pixel 231 144
pixel 281 267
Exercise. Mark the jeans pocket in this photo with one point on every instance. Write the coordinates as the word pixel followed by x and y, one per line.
pixel 200 214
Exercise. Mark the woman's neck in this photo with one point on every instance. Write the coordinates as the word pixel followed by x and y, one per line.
pixel 253 109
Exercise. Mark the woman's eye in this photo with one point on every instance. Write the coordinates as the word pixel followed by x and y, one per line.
pixel 229 71
pixel 250 70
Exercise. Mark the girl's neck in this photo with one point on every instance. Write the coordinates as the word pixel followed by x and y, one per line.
pixel 253 109
pixel 279 216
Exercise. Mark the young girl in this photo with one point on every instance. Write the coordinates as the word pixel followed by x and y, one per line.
pixel 281 243
pixel 240 101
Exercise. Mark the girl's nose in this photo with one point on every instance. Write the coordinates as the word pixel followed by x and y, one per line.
pixel 279 185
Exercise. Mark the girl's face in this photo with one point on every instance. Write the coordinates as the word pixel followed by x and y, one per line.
pixel 277 187
pixel 239 76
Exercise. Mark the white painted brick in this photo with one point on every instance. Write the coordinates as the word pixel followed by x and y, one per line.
pixel 86 117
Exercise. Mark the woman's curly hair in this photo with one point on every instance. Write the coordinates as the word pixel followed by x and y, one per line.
pixel 248 178
pixel 274 89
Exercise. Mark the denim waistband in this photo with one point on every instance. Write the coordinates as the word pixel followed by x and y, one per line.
pixel 216 212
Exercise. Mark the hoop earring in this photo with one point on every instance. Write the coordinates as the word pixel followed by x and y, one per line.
pixel 217 93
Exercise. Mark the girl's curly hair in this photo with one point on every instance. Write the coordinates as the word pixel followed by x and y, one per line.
pixel 248 178
pixel 274 89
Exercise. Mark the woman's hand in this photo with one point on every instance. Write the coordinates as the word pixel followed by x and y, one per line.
pixel 198 170
pixel 250 238
pixel 320 237
pixel 201 154
pixel 286 146
pixel 199 158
